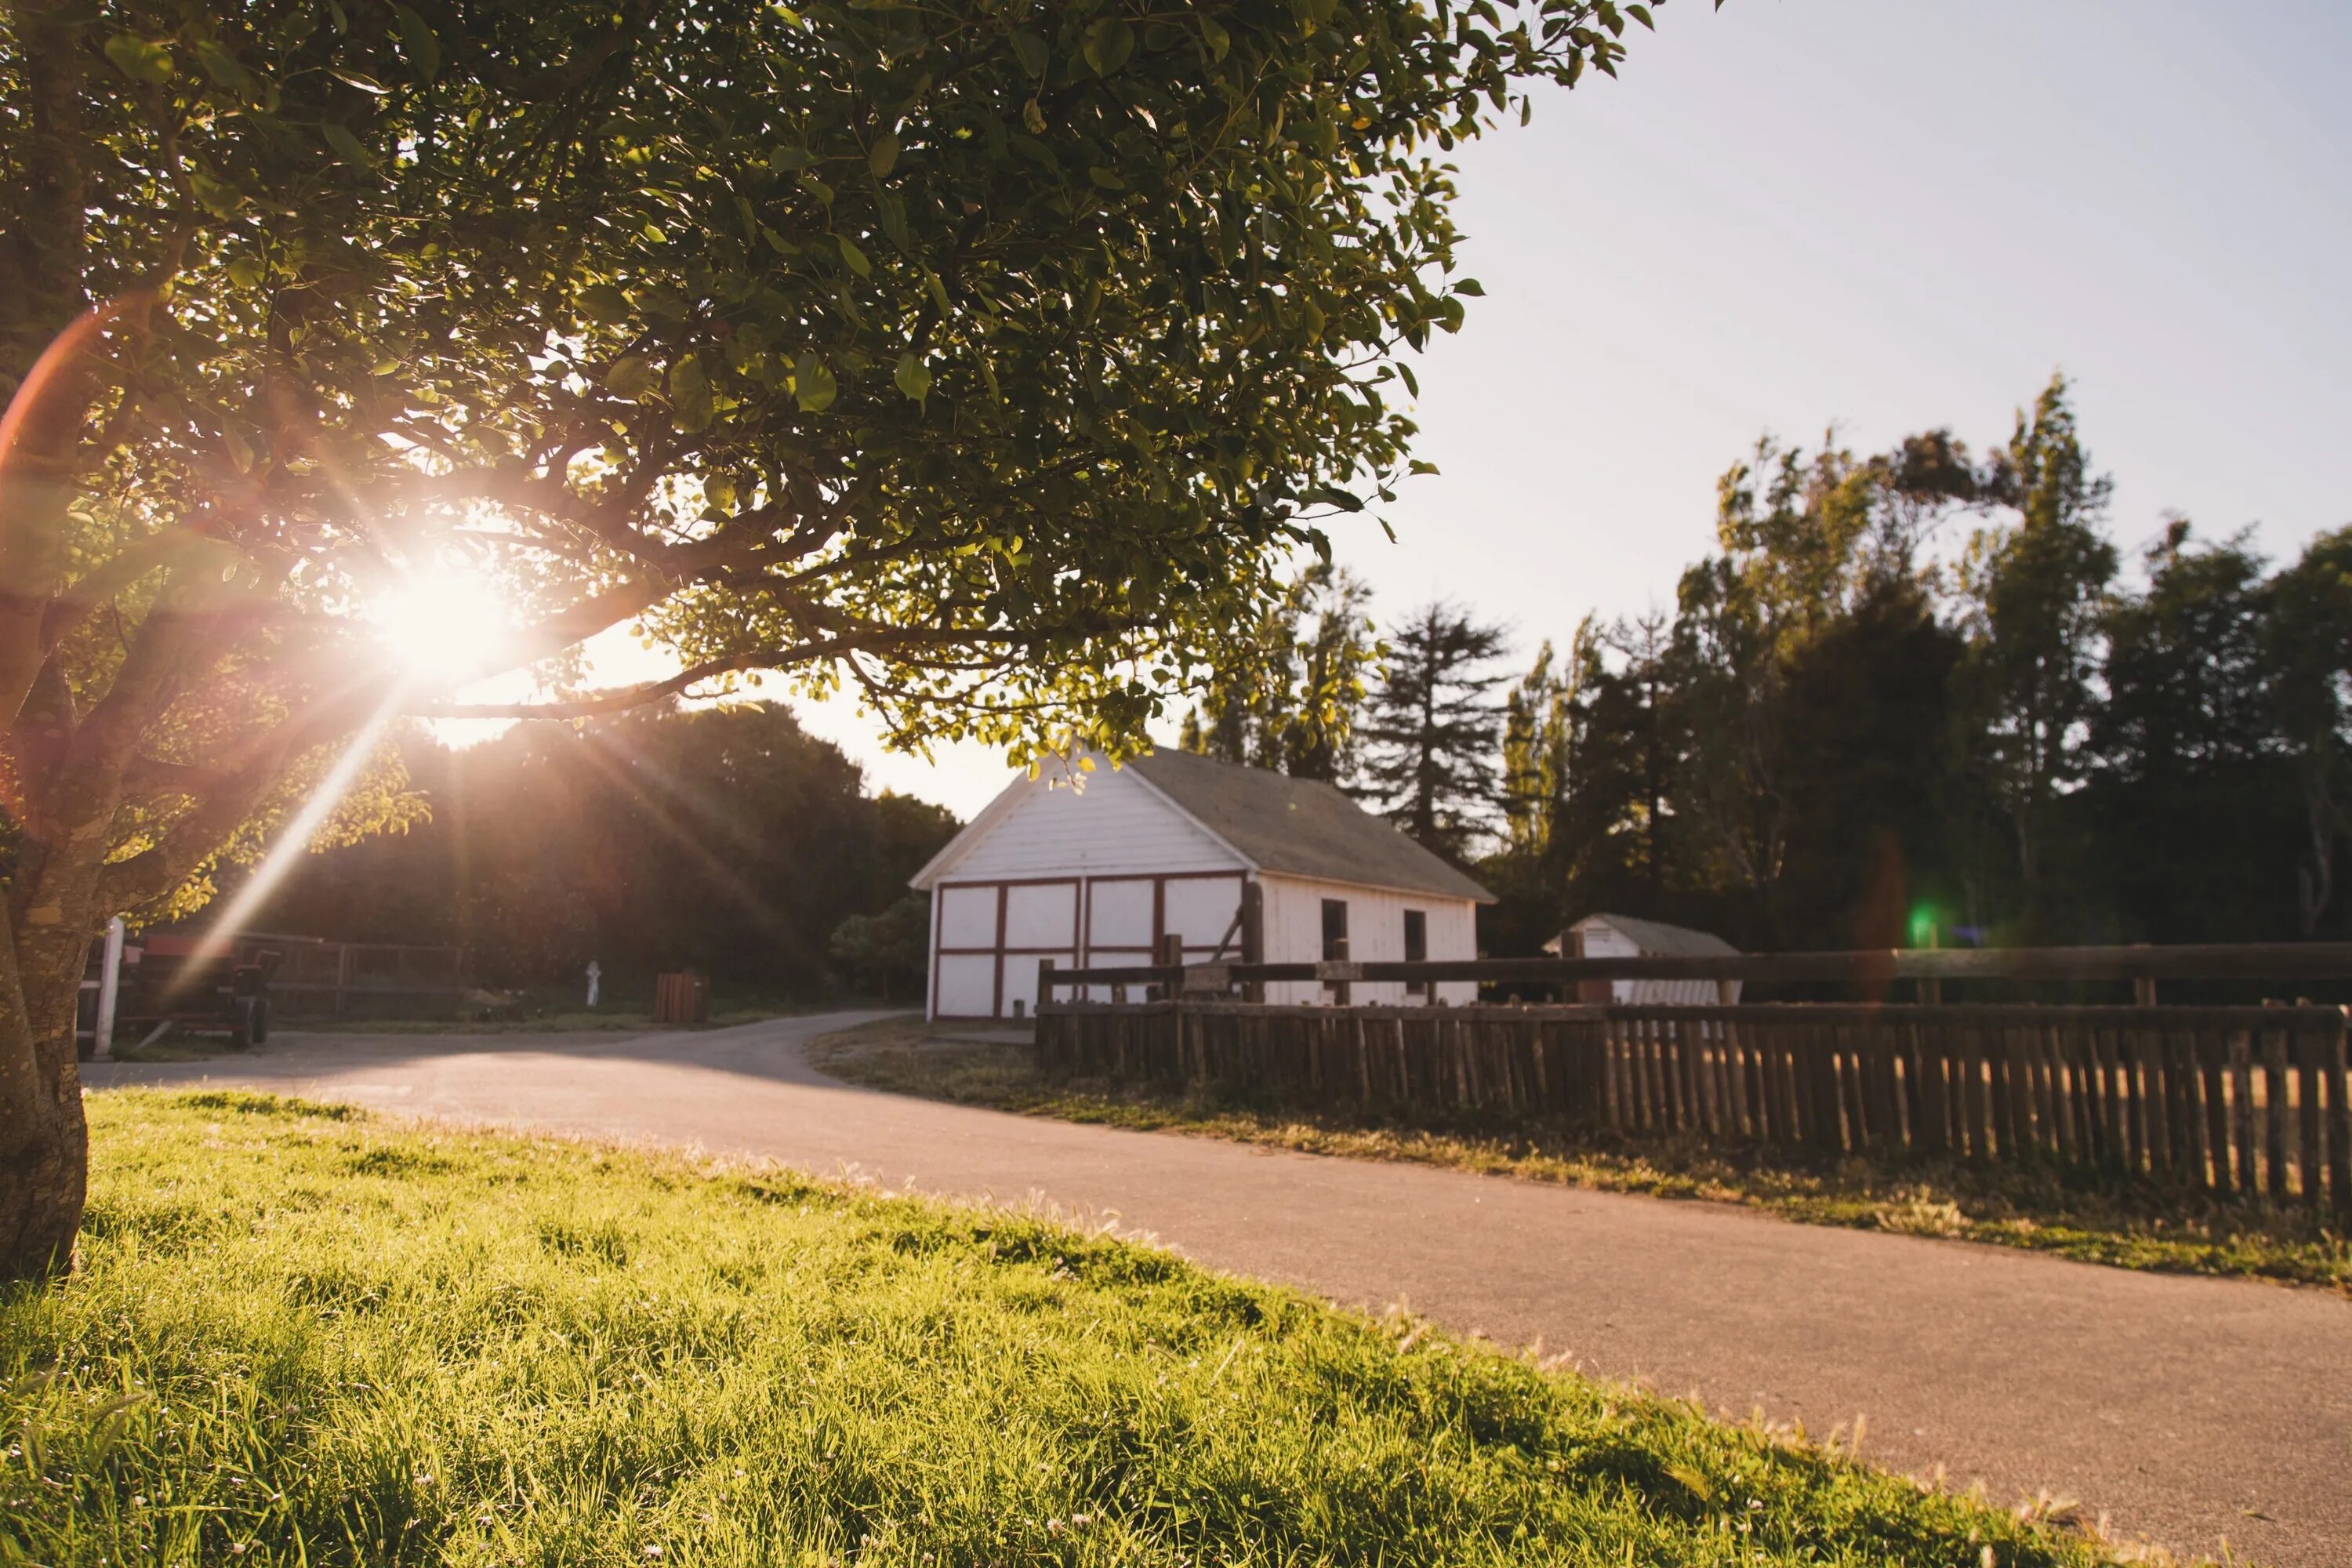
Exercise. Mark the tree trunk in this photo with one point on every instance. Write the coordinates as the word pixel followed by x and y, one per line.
pixel 44 1142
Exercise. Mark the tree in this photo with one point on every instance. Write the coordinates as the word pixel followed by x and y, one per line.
pixel 888 950
pixel 1431 731
pixel 2033 595
pixel 1818 565
pixel 1286 695
pixel 2307 655
pixel 984 358
pixel 2182 751
pixel 722 838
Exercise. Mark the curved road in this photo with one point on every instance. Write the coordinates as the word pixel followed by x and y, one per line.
pixel 2189 1411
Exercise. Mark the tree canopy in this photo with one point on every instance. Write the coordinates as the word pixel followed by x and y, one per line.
pixel 985 356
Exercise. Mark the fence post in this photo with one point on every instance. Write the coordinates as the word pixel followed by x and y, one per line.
pixel 1254 934
pixel 1171 956
pixel 1044 984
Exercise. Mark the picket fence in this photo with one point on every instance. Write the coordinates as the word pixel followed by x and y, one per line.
pixel 2233 1100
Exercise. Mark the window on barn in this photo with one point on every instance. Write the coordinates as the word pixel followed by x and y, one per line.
pixel 1334 944
pixel 1335 930
pixel 1416 947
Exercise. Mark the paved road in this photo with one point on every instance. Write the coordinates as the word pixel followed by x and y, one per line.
pixel 2189 1410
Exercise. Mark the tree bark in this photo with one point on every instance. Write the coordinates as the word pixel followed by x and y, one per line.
pixel 44 1142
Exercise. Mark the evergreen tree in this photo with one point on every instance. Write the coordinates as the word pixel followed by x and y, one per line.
pixel 2307 670
pixel 2180 741
pixel 2033 600
pixel 1432 732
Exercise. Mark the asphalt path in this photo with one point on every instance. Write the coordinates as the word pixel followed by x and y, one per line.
pixel 2188 1412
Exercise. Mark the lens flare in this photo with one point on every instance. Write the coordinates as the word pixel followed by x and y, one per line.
pixel 442 623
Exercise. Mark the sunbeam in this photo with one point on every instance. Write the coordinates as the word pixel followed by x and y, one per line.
pixel 294 838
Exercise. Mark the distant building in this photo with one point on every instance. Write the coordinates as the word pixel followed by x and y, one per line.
pixel 1174 845
pixel 1624 936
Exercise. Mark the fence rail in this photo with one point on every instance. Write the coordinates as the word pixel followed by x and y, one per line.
pixel 2233 1100
pixel 1872 967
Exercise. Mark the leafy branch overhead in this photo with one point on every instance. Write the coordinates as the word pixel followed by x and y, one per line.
pixel 989 356
pixel 992 345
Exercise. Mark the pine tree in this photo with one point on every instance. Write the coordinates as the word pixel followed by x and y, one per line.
pixel 1430 737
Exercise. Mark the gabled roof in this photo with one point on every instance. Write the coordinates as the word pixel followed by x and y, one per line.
pixel 1657 939
pixel 1300 828
pixel 1279 825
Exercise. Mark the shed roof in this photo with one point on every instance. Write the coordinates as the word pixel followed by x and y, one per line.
pixel 1659 939
pixel 1300 828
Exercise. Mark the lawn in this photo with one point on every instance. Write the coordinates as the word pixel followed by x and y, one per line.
pixel 302 1335
pixel 2075 1215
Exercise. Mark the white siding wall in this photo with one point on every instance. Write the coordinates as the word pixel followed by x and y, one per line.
pixel 1294 934
pixel 1116 827
pixel 1604 940
pixel 1116 823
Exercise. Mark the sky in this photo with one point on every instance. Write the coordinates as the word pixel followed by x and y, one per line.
pixel 1885 216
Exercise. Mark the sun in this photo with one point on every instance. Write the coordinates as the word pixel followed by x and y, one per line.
pixel 441 623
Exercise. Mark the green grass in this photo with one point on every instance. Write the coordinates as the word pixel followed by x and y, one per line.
pixel 301 1335
pixel 2074 1214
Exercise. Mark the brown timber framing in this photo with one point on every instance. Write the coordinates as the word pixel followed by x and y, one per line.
pixel 999 950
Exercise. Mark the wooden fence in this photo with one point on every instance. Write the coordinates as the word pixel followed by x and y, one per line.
pixel 2242 1101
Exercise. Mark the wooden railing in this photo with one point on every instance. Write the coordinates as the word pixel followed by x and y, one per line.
pixel 1867 969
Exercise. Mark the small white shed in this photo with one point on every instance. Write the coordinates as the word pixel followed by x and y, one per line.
pixel 1095 876
pixel 1624 936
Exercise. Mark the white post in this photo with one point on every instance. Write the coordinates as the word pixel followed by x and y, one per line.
pixel 110 981
pixel 595 973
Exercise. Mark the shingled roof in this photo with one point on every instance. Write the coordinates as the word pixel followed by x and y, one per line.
pixel 1300 828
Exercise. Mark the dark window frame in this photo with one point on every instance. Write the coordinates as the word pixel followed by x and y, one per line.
pixel 1416 948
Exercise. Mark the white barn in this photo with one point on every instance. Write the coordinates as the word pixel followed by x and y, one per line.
pixel 1624 936
pixel 1165 846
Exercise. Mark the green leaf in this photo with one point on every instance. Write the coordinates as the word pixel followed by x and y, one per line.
pixel 216 198
pixel 240 451
pixel 1107 178
pixel 1331 495
pixel 604 304
pixel 813 385
pixel 346 147
pixel 854 256
pixel 1215 37
pixel 784 160
pixel 246 272
pixel 1034 118
pixel 359 80
pixel 223 67
pixel 882 155
pixel 892 214
pixel 1032 52
pixel 1418 467
pixel 140 59
pixel 1109 41
pixel 416 42
pixel 689 395
pixel 1471 287
pixel 913 376
pixel 631 376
